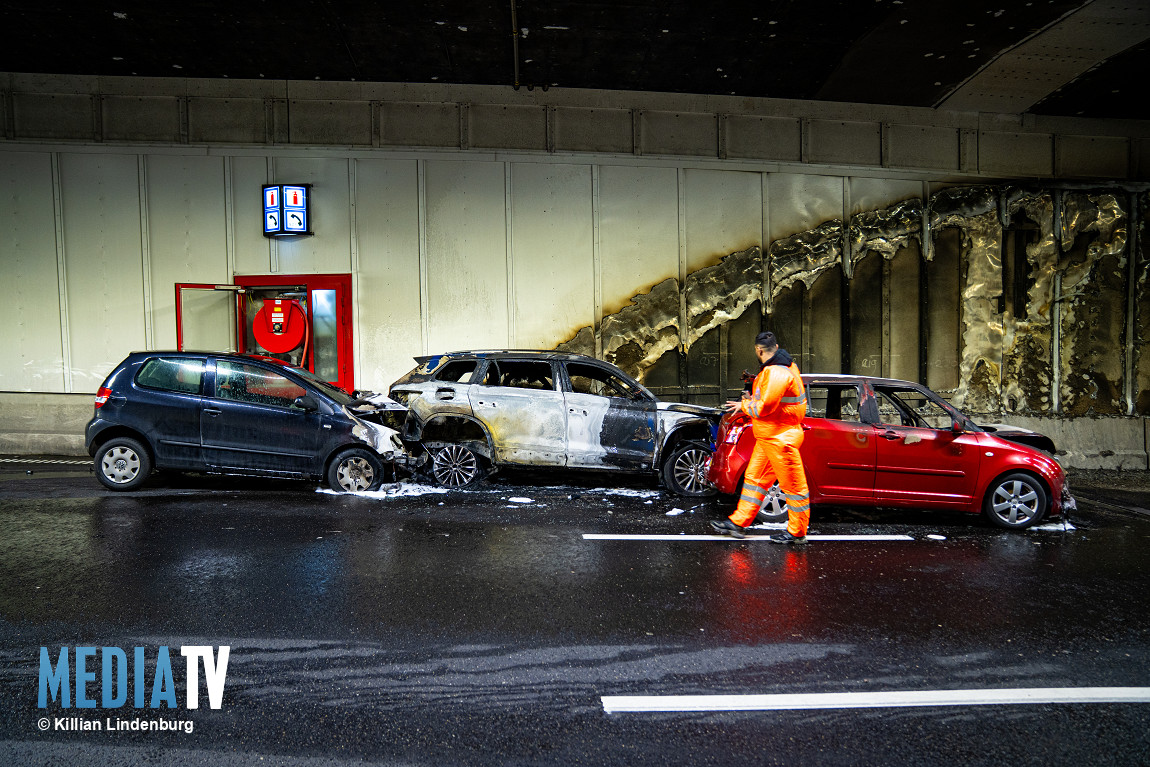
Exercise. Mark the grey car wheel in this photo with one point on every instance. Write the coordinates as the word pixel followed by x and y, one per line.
pixel 1015 501
pixel 685 472
pixel 774 506
pixel 355 471
pixel 456 466
pixel 122 464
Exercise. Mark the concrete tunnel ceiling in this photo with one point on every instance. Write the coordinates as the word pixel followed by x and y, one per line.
pixel 1051 57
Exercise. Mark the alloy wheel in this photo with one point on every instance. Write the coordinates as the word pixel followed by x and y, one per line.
pixel 455 466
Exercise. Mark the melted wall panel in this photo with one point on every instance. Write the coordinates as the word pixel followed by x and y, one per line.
pixel 974 212
pixel 552 234
pixel 944 312
pixel 1141 309
pixel 1094 232
pixel 639 247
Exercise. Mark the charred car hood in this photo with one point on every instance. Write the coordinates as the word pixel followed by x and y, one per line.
pixel 1019 435
pixel 713 413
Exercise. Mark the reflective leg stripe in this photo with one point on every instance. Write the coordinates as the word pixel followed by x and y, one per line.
pixel 755 498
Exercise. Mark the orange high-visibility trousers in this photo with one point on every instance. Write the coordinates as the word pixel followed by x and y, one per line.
pixel 776 457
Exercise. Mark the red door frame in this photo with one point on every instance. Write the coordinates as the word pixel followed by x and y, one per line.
pixel 341 284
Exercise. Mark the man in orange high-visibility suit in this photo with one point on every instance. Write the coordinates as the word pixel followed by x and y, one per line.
pixel 777 405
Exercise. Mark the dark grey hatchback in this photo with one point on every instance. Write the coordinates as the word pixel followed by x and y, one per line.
pixel 235 414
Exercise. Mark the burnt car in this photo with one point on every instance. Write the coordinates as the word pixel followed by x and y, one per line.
pixel 890 443
pixel 237 414
pixel 472 412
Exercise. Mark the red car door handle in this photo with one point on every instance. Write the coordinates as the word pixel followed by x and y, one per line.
pixel 891 435
pixel 806 427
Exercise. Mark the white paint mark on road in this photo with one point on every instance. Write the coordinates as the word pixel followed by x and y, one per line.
pixel 748 539
pixel 616 704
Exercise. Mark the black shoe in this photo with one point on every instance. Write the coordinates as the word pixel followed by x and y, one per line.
pixel 786 537
pixel 727 527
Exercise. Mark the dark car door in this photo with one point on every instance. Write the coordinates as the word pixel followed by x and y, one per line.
pixel 921 460
pixel 610 421
pixel 838 448
pixel 166 406
pixel 250 422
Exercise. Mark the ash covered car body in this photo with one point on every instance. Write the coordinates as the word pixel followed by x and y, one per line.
pixel 237 414
pixel 884 442
pixel 471 412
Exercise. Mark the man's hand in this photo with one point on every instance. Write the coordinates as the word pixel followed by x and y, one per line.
pixel 732 406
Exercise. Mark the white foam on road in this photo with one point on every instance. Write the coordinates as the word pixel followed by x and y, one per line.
pixel 616 704
pixel 748 539
pixel 395 490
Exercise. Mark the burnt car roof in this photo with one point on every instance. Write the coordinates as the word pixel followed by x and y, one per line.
pixel 849 378
pixel 500 353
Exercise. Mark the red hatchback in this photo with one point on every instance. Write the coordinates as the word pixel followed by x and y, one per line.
pixel 883 442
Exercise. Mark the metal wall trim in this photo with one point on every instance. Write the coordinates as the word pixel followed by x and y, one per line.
pixel 596 263
pixel 421 192
pixel 62 271
pixel 145 251
pixel 509 252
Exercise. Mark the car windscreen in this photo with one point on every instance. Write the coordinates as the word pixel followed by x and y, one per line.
pixel 336 393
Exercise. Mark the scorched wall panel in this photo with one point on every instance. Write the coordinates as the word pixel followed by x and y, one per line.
pixel 553 253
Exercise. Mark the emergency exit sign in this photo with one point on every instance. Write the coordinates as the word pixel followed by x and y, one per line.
pixel 287 209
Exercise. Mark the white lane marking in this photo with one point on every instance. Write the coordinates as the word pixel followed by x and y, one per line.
pixel 615 704
pixel 749 538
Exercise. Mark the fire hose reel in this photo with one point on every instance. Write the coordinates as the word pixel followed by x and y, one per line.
pixel 280 325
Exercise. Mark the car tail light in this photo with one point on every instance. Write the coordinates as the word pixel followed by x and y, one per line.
pixel 734 433
pixel 102 396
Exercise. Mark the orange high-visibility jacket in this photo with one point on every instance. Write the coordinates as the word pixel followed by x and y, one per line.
pixel 778 400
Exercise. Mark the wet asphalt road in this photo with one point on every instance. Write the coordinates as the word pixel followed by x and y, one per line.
pixel 480 627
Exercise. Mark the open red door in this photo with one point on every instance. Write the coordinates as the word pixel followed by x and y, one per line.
pixel 303 320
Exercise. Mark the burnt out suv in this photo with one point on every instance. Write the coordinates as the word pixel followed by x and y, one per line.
pixel 471 412
pixel 236 414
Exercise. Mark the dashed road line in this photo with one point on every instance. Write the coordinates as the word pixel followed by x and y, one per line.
pixel 617 704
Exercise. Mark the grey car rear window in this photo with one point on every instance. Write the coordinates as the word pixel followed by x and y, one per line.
pixel 172 374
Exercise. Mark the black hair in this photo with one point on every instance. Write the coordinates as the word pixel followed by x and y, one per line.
pixel 766 339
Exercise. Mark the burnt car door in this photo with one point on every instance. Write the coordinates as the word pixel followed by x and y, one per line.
pixel 611 422
pixel 838 447
pixel 522 408
pixel 922 460
pixel 252 421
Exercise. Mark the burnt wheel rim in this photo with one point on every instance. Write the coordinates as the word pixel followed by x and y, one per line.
pixel 455 466
pixel 1015 502
pixel 355 474
pixel 690 470
pixel 120 465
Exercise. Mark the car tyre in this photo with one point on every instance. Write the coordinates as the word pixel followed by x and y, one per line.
pixel 685 472
pixel 456 466
pixel 1016 501
pixel 122 463
pixel 355 471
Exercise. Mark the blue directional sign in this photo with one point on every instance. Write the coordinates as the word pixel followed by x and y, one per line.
pixel 287 209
